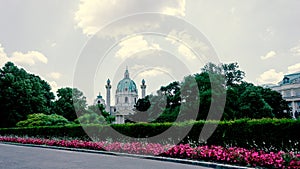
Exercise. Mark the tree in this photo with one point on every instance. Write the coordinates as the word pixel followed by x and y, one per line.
pixel 280 107
pixel 143 104
pixel 252 105
pixel 41 119
pixel 141 113
pixel 70 103
pixel 21 93
pixel 230 71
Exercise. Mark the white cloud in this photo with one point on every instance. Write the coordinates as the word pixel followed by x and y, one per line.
pixel 3 56
pixel 270 76
pixel 54 75
pixel 296 50
pixel 94 14
pixel 154 71
pixel 29 58
pixel 53 44
pixel 135 68
pixel 186 52
pixel 54 86
pixel 134 45
pixel 186 43
pixel 175 11
pixel 294 68
pixel 269 55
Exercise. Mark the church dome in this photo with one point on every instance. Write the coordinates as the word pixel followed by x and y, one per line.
pixel 126 84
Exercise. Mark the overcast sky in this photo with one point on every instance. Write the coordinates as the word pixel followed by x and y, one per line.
pixel 82 43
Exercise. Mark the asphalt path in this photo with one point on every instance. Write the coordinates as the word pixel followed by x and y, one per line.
pixel 15 157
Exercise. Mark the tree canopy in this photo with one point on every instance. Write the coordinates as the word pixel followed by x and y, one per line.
pixel 21 94
pixel 181 100
pixel 70 103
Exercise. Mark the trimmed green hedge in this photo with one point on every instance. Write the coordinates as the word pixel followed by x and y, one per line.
pixel 277 133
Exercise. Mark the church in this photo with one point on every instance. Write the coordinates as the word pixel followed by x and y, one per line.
pixel 126 96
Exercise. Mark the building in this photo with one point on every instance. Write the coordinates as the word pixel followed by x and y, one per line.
pixel 289 88
pixel 126 96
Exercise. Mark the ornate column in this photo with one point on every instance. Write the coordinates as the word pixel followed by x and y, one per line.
pixel 108 87
pixel 143 87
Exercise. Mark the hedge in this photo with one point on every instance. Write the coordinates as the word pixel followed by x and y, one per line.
pixel 280 134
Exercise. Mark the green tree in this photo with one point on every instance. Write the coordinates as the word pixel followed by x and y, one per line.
pixel 41 119
pixel 230 71
pixel 70 103
pixel 21 93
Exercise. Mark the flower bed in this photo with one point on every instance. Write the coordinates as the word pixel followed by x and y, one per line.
pixel 232 155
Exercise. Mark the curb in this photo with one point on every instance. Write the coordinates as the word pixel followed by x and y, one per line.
pixel 158 158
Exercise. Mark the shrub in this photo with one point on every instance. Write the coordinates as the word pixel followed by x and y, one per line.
pixel 265 134
pixel 41 119
pixel 91 118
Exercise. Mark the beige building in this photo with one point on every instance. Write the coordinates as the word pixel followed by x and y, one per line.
pixel 289 88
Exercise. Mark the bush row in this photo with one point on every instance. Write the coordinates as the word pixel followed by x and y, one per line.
pixel 277 134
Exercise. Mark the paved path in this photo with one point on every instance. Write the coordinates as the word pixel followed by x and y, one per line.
pixel 14 157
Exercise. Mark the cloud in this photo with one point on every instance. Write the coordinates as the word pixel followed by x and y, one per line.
pixel 269 55
pixel 296 50
pixel 178 10
pixel 94 14
pixel 186 52
pixel 53 44
pixel 54 86
pixel 134 45
pixel 154 71
pixel 54 75
pixel 3 56
pixel 151 73
pixel 29 58
pixel 186 44
pixel 294 68
pixel 270 76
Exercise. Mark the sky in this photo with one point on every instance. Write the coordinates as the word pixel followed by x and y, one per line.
pixel 82 43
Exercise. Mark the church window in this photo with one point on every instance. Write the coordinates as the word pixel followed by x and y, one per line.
pixel 134 100
pixel 126 99
pixel 126 89
pixel 98 101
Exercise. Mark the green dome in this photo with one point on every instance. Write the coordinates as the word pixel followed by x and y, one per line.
pixel 126 85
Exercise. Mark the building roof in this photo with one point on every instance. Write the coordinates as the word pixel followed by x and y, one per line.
pixel 126 84
pixel 290 79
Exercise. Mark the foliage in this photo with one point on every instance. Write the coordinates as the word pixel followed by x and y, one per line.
pixel 263 134
pixel 91 118
pixel 41 119
pixel 70 103
pixel 21 93
pixel 99 109
pixel 143 104
pixel 194 96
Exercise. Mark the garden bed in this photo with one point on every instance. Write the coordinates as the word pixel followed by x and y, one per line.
pixel 226 155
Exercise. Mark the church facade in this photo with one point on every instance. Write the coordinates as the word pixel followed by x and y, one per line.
pixel 126 96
